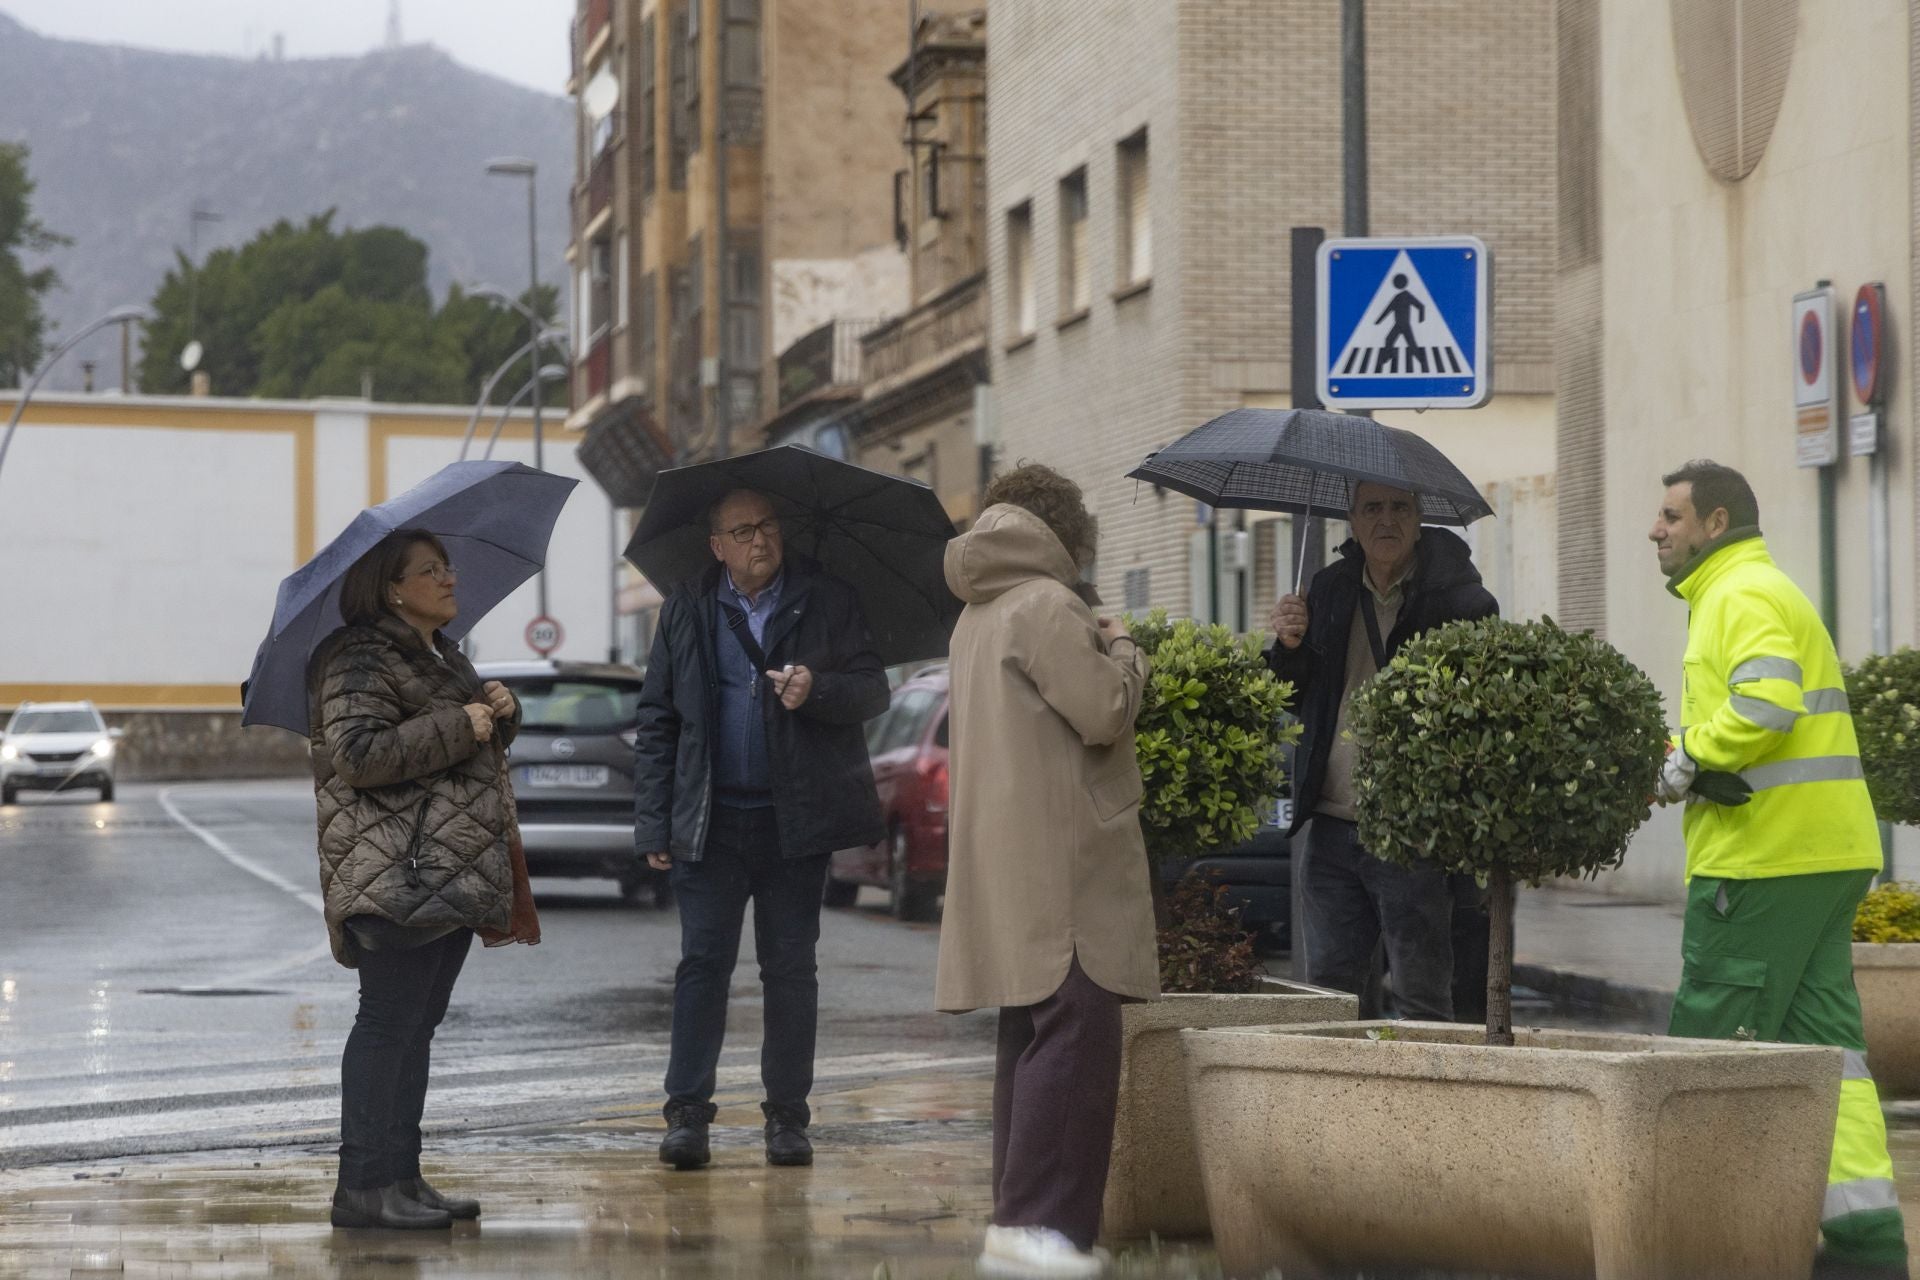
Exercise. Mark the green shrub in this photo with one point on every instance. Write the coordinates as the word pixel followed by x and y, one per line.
pixel 1884 692
pixel 1890 913
pixel 1511 750
pixel 1208 736
pixel 1204 947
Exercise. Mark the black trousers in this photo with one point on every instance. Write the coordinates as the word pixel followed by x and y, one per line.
pixel 383 1073
pixel 1056 1089
pixel 1355 902
pixel 742 862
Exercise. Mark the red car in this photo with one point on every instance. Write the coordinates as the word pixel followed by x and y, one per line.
pixel 908 746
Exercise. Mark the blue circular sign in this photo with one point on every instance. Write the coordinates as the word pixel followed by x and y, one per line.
pixel 1866 342
pixel 1810 347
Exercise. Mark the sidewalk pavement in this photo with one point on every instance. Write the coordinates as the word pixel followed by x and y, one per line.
pixel 1613 956
pixel 900 1190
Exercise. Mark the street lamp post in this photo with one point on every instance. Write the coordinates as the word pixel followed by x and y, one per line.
pixel 119 315
pixel 520 167
pixel 552 337
pixel 195 217
pixel 547 373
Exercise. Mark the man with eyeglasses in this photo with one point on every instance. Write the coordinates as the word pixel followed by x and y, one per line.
pixel 750 769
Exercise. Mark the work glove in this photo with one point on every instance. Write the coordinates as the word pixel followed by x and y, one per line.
pixel 1682 777
pixel 1729 789
pixel 1676 775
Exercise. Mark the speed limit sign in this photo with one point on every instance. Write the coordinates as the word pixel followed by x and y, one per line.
pixel 544 635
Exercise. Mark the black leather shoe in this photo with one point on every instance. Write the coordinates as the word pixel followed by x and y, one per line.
pixel 420 1191
pixel 386 1208
pixel 685 1146
pixel 787 1137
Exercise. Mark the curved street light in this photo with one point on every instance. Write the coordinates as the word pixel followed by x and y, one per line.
pixel 119 315
pixel 494 293
pixel 548 373
pixel 551 337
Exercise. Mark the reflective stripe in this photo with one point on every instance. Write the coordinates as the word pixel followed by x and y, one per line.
pixel 1765 669
pixel 1826 701
pixel 1812 769
pixel 1862 1195
pixel 1854 1066
pixel 1764 713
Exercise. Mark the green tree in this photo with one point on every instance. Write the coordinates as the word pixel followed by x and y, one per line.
pixel 22 321
pixel 304 309
pixel 487 333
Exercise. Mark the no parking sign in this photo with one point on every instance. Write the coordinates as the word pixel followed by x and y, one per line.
pixel 1816 426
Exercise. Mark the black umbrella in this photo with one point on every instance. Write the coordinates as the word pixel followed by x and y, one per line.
pixel 885 535
pixel 1307 460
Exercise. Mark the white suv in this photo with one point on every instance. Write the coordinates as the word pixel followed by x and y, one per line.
pixel 52 746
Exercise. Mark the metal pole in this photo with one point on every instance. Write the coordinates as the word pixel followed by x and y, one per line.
pixel 533 336
pixel 613 588
pixel 1353 114
pixel 126 357
pixel 486 391
pixel 1306 395
pixel 1829 553
pixel 1880 559
pixel 117 316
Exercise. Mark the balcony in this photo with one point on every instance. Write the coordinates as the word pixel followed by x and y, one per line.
pixel 599 185
pixel 827 357
pixel 596 367
pixel 948 325
pixel 599 14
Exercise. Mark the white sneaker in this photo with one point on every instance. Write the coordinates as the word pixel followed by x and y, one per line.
pixel 1035 1253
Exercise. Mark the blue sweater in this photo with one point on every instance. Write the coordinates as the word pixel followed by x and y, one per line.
pixel 742 776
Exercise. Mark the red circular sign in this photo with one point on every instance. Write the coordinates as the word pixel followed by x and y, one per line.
pixel 1867 338
pixel 544 635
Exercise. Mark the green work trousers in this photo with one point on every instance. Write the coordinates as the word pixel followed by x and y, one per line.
pixel 1773 960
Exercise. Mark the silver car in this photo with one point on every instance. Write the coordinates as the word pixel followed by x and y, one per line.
pixel 572 771
pixel 56 746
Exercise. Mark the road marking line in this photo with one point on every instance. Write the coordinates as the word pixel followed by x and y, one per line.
pixel 246 864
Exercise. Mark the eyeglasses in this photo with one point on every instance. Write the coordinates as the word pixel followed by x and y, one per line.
pixel 745 533
pixel 442 573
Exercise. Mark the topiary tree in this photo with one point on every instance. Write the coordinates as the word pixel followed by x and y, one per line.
pixel 1511 750
pixel 1208 736
pixel 1884 693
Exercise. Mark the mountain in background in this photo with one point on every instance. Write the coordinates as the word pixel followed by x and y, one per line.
pixel 126 141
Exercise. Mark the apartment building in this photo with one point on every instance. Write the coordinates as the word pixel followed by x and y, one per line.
pixel 1138 252
pixel 733 162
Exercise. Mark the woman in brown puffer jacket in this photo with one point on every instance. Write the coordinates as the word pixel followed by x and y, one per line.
pixel 419 849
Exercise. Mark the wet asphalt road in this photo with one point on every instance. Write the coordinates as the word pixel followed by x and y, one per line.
pixel 165 986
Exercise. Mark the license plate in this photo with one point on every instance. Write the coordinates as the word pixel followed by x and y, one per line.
pixel 564 775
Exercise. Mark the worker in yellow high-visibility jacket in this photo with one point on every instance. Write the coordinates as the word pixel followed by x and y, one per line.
pixel 1781 836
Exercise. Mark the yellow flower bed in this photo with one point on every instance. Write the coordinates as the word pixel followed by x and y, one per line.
pixel 1890 913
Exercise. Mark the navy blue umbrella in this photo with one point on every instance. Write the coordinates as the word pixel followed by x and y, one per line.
pixel 495 519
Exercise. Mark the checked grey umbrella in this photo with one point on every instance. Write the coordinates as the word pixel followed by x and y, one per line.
pixel 495 519
pixel 884 535
pixel 1308 460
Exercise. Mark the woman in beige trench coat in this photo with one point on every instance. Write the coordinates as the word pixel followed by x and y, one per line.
pixel 1049 910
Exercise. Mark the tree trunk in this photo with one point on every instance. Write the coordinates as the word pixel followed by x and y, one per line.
pixel 1500 959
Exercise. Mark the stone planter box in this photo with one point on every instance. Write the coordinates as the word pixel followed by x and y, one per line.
pixel 1616 1157
pixel 1153 1184
pixel 1887 975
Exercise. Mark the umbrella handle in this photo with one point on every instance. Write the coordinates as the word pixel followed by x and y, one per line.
pixel 1300 569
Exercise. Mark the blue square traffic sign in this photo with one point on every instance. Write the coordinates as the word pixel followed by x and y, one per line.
pixel 1404 323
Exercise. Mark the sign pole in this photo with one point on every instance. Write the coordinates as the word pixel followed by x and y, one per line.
pixel 1309 535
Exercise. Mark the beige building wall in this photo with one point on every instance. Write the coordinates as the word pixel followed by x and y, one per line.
pixel 1698 274
pixel 1241 104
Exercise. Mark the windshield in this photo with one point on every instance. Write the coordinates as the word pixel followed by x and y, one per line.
pixel 54 722
pixel 578 706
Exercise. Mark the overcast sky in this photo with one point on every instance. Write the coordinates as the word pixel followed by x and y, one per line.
pixel 520 40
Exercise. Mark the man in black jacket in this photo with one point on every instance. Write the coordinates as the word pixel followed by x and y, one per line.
pixel 750 768
pixel 1394 580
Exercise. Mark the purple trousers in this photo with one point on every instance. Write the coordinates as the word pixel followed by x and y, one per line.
pixel 1056 1087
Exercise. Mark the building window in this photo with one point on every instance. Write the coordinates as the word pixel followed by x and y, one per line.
pixel 1137 590
pixel 743 303
pixel 930 183
pixel 648 345
pixel 582 312
pixel 600 289
pixel 1075 287
pixel 677 118
pixel 1136 218
pixel 741 73
pixel 1021 313
pixel 621 266
pixel 693 74
pixel 644 106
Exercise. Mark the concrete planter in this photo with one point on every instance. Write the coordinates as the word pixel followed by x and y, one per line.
pixel 1887 975
pixel 1153 1184
pixel 1616 1157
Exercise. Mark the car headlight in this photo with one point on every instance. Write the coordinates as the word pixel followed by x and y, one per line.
pixel 9 752
pixel 104 747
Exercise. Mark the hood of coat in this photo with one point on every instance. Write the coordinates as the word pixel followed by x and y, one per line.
pixel 1442 560
pixel 1007 546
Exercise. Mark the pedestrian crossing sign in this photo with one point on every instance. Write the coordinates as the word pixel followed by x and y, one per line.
pixel 1403 323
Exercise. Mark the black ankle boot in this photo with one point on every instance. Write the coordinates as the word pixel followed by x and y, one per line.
pixel 787 1142
pixel 419 1191
pixel 685 1146
pixel 384 1207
